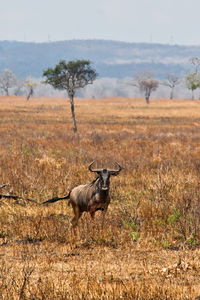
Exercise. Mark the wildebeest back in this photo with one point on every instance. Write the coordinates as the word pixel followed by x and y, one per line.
pixel 82 194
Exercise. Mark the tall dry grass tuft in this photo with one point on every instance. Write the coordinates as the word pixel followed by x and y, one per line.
pixel 150 246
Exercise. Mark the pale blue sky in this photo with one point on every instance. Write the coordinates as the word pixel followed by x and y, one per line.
pixel 157 21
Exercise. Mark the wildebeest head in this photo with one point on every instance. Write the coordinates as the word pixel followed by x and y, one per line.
pixel 104 175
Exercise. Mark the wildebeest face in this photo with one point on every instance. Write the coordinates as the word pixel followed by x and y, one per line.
pixel 104 177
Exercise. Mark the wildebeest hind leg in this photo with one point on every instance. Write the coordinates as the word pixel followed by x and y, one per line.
pixel 77 215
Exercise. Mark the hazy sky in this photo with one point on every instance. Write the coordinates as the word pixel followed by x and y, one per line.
pixel 157 21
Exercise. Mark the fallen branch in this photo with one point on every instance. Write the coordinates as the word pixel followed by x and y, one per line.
pixel 3 185
pixel 15 197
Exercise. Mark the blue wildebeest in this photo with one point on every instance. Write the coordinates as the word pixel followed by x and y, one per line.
pixel 90 197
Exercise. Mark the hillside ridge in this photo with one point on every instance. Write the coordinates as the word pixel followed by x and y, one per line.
pixel 113 59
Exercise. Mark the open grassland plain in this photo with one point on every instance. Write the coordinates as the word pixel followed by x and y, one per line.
pixel 150 245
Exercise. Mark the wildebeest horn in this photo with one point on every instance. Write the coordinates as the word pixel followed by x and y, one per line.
pixel 115 172
pixel 93 170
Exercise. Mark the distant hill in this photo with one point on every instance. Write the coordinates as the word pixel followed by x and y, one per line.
pixel 110 58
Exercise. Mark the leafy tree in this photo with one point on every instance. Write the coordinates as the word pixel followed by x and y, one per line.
pixel 7 80
pixel 146 84
pixel 193 78
pixel 171 82
pixel 192 82
pixel 70 77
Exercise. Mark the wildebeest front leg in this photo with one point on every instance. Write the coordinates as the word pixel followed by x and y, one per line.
pixel 92 214
pixel 92 209
pixel 103 218
pixel 103 213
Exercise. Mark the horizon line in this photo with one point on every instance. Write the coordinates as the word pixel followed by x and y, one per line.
pixel 98 39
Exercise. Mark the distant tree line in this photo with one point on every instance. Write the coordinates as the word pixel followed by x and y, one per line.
pixel 74 75
pixel 144 82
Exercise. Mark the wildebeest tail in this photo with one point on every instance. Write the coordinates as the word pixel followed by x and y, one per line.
pixel 55 199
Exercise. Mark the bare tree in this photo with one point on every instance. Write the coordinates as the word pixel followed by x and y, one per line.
pixel 196 62
pixel 7 80
pixel 20 87
pixel 171 81
pixel 145 83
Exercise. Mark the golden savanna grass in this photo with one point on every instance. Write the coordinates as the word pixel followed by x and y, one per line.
pixel 150 245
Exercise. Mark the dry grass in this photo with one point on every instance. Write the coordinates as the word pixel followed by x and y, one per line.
pixel 150 246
